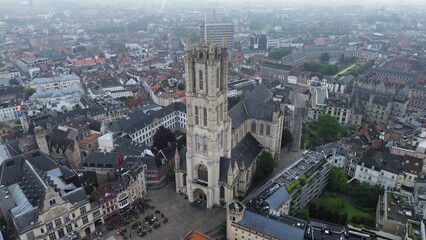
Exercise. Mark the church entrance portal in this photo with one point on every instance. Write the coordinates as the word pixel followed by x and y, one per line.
pixel 199 195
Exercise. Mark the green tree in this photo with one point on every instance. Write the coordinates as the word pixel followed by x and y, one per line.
pixel 13 81
pixel 181 86
pixel 163 137
pixel 278 53
pixel 303 214
pixel 337 180
pixel 265 165
pixel 322 68
pixel 365 194
pixel 30 91
pixel 165 83
pixel 325 57
pixel 343 218
pixel 328 128
pixel 77 106
pixel 287 137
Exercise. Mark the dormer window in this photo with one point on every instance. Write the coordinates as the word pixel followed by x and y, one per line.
pixel 52 202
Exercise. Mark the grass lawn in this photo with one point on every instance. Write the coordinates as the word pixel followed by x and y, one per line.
pixel 352 209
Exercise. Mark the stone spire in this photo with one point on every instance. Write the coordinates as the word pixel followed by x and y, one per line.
pixel 187 42
pixel 202 39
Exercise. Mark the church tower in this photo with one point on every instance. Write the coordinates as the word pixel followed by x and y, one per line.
pixel 208 124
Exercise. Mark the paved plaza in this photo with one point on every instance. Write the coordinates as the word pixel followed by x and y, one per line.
pixel 182 216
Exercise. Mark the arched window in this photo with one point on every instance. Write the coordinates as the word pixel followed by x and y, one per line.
pixel 268 129
pixel 253 127
pixel 221 139
pixel 201 80
pixel 221 113
pixel 205 117
pixel 197 143
pixel 222 192
pixel 203 173
pixel 197 117
pixel 205 141
pixel 261 128
pixel 201 55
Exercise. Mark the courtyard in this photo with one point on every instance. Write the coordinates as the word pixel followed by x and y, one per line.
pixel 182 217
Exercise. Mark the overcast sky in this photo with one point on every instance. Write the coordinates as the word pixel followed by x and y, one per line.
pixel 378 3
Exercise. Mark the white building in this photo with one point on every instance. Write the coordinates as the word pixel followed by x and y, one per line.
pixel 9 74
pixel 50 83
pixel 61 100
pixel 141 127
pixel 379 168
pixel 9 111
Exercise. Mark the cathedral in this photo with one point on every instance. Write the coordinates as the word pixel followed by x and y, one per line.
pixel 222 148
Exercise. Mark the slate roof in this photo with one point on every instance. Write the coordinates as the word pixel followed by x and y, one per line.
pixel 260 94
pixel 292 58
pixel 28 177
pixel 393 163
pixel 382 161
pixel 410 165
pixel 138 120
pixel 257 104
pixel 372 158
pixel 278 198
pixel 271 227
pixel 129 148
pixel 54 79
pixel 244 153
pixel 346 79
pixel 101 158
pixel 59 143
pixel 76 196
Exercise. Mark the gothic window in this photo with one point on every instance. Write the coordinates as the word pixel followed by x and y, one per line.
pixel 201 55
pixel 205 117
pixel 218 78
pixel 201 79
pixel 221 113
pixel 221 139
pixel 203 173
pixel 253 127
pixel 197 143
pixel 262 126
pixel 268 130
pixel 196 116
pixel 222 192
pixel 205 145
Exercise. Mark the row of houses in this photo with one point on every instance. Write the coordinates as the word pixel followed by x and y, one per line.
pixel 44 199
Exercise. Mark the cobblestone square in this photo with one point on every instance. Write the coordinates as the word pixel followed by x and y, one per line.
pixel 182 216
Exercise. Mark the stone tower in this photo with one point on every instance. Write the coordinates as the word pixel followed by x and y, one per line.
pixel 208 124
